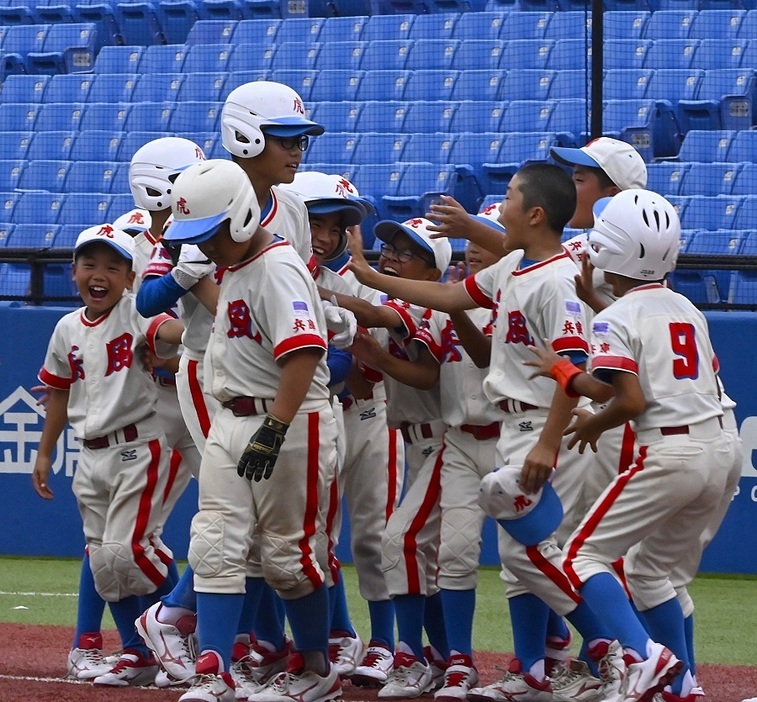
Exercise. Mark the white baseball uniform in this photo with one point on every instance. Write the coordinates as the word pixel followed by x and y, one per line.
pixel 681 471
pixel 268 307
pixel 286 215
pixel 123 465
pixel 531 303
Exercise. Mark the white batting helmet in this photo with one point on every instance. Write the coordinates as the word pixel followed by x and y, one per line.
pixel 636 234
pixel 207 194
pixel 134 221
pixel 154 168
pixel 258 108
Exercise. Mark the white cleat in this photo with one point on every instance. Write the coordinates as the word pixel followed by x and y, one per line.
pixel 88 660
pixel 410 678
pixel 345 652
pixel 209 684
pixel 132 669
pixel 300 685
pixel 575 683
pixel 375 668
pixel 461 675
pixel 174 645
pixel 649 676
pixel 515 685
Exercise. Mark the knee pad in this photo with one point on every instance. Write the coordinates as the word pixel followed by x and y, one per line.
pixel 115 573
pixel 286 570
pixel 459 548
pixel 393 541
pixel 206 545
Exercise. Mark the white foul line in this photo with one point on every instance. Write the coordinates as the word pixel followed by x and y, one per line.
pixel 40 594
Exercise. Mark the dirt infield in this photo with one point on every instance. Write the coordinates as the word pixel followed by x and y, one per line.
pixel 34 659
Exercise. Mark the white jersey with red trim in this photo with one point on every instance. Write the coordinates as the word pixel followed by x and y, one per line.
pixel 287 217
pixel 98 363
pixel 659 336
pixel 460 380
pixel 577 247
pixel 326 278
pixel 530 304
pixel 362 291
pixel 268 306
pixel 144 252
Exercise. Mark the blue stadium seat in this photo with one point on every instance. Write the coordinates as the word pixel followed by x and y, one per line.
pixel 746 182
pixel 102 15
pixel 526 54
pixel 479 85
pixel 674 84
pixel 380 148
pixel 625 24
pixel 177 17
pixel 744 283
pixel 710 179
pixel 743 146
pixel 69 88
pixel 429 116
pixel 626 53
pixel 106 116
pixel 625 83
pixel 256 31
pixel 69 47
pixel 717 24
pixel 338 116
pixel 747 216
pixel 435 25
pixel 333 85
pixel 386 55
pixel 85 209
pixel 342 29
pixel 301 80
pixel 430 85
pixel 432 54
pixel 383 85
pixel 119 59
pixel 333 147
pixel 568 25
pixel 139 24
pixel 210 58
pixel 340 55
pixel 10 174
pixel 16 14
pixel 431 148
pixel 529 115
pixel 33 236
pixel 67 236
pixel 44 175
pixel 237 78
pixel 210 144
pixel 96 146
pixel 158 87
pixel 203 87
pixel 24 88
pixel 525 25
pixel 718 212
pixel 14 145
pixel 666 177
pixel 225 10
pixel 376 180
pixel 419 186
pixel 300 29
pixel 570 119
pixel 479 25
pixel 23 38
pixel 8 203
pixel 251 57
pixel 150 117
pixel 15 278
pixel 707 146
pixel 6 230
pixel 119 204
pixel 38 208
pixel 671 53
pixel 163 59
pixel 388 27
pixel 670 24
pixel 211 32
pixel 720 53
pixel 526 85
pixel 725 100
pixel 474 116
pixel 748 28
pixel 93 176
pixel 474 150
pixel 749 57
pixel 527 146
pixel 632 119
pixel 295 55
pixel 19 116
pixel 51 145
pixel 477 54
pixel 382 116
pixel 570 54
pixel 60 115
pixel 571 84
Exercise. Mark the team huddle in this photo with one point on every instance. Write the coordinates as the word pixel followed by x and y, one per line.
pixel 233 332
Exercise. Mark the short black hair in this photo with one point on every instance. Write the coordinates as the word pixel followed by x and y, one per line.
pixel 551 188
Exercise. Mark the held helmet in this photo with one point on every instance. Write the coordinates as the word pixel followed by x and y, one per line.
pixel 636 234
pixel 154 168
pixel 207 194
pixel 262 107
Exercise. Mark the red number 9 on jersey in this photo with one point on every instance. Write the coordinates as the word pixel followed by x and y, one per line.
pixel 684 344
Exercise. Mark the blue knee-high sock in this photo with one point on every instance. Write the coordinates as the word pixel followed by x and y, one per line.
pixel 587 624
pixel 183 594
pixel 164 590
pixel 217 617
pixel 665 625
pixel 433 623
pixel 381 613
pixel 556 626
pixel 609 602
pixel 249 607
pixel 459 607
pixel 340 615
pixel 90 608
pixel 529 616
pixel 688 631
pixel 409 610
pixel 173 576
pixel 309 619
pixel 124 613
pixel 268 620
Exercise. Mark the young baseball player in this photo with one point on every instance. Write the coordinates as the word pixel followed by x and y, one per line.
pixel 97 384
pixel 271 449
pixel 652 346
pixel 533 293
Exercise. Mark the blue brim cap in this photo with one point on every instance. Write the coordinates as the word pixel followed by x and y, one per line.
pixel 572 157
pixel 496 226
pixel 352 212
pixel 535 526
pixel 599 206
pixel 194 231
pixel 291 127
pixel 386 229
pixel 120 250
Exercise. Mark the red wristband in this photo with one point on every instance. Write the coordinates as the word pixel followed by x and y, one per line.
pixel 563 372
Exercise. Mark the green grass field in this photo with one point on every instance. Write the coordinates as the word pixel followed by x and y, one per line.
pixel 42 591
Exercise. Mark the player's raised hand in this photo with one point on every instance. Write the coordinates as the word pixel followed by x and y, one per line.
pixel 340 322
pixel 40 476
pixel 582 431
pixel 358 265
pixel 456 273
pixel 450 218
pixel 260 456
pixel 585 285
pixel 543 361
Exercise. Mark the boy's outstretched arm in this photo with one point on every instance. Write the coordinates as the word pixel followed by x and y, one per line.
pixel 367 315
pixel 476 344
pixel 423 373
pixel 452 220
pixel 56 416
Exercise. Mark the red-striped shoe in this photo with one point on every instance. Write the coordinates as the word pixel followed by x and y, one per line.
pixel 515 686
pixel 644 678
pixel 132 668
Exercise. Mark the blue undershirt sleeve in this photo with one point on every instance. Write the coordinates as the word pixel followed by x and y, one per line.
pixel 158 294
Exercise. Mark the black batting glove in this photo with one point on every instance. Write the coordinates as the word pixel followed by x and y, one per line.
pixel 261 453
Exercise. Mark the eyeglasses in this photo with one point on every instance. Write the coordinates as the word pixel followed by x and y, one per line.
pixel 403 256
pixel 288 143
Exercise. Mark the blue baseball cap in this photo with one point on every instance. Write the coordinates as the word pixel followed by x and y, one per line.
pixel 529 519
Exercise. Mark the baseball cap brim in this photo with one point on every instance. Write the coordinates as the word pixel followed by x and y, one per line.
pixel 496 226
pixel 108 242
pixel 535 526
pixel 352 212
pixel 572 157
pixel 599 206
pixel 194 231
pixel 388 228
pixel 291 127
